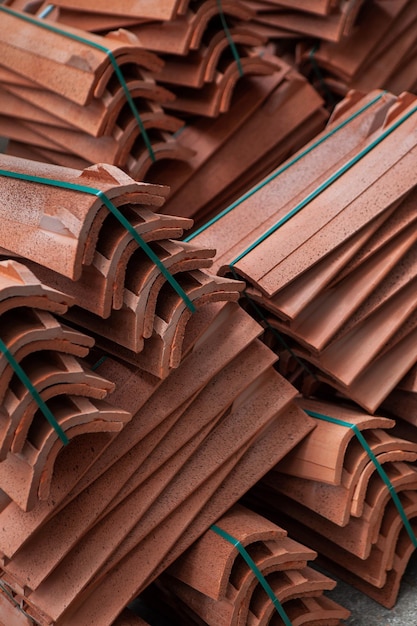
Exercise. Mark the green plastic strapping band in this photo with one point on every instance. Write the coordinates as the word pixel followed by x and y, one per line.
pixel 314 194
pixel 230 39
pixel 285 167
pixel 120 217
pixel 267 588
pixel 97 46
pixel 378 467
pixel 34 393
pixel 320 75
pixel 99 362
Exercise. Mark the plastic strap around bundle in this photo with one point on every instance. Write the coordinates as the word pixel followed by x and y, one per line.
pixel 285 167
pixel 255 569
pixel 377 464
pixel 97 46
pixel 314 194
pixel 229 38
pixel 35 395
pixel 319 75
pixel 119 216
pixel 100 361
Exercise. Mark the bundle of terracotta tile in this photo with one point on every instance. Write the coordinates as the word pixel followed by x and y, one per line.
pixel 74 98
pixel 123 282
pixel 213 581
pixel 327 246
pixel 276 111
pixel 49 353
pixel 196 443
pixel 331 492
pixel 328 20
pixel 206 46
pixel 270 118
pixel 380 52
pixel 199 437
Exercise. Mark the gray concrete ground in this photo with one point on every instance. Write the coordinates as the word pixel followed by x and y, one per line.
pixel 366 612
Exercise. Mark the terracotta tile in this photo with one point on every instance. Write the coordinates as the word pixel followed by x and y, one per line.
pixel 244 220
pixel 338 503
pixel 295 101
pixel 185 33
pixel 321 455
pixel 315 330
pixel 140 463
pixel 207 565
pixel 72 219
pixel 330 27
pixel 70 467
pixel 206 136
pixel 82 81
pixel 91 22
pixel 291 300
pixel 18 285
pixel 200 66
pixel 27 477
pixel 100 116
pixel 105 277
pixel 269 447
pixel 279 259
pixel 215 97
pixel 162 352
pixel 131 8
pixel 51 374
pixel 401 275
pixel 88 607
pixel 333 56
pixel 34 331
pixel 133 322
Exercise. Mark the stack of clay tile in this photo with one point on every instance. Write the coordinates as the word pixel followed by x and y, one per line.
pixel 211 415
pixel 330 494
pixel 206 46
pixel 270 118
pixel 328 20
pixel 380 52
pixel 275 111
pixel 73 243
pixel 327 246
pixel 74 98
pixel 214 582
pixel 47 351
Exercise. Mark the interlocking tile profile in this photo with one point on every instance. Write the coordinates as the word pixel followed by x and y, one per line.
pixel 225 590
pixel 84 79
pixel 75 227
pixel 27 477
pixel 52 374
pixel 185 33
pixel 100 288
